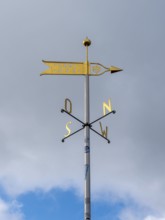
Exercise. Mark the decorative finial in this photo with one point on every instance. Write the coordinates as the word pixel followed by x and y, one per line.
pixel 86 42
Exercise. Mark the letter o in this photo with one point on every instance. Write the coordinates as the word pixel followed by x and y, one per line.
pixel 68 103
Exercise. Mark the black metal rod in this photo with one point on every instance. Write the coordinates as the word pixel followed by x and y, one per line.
pixel 100 135
pixel 62 110
pixel 72 134
pixel 103 117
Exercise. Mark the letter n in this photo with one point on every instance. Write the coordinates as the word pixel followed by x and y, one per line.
pixel 107 107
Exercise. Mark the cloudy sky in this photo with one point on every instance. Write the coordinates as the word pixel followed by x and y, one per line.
pixel 41 177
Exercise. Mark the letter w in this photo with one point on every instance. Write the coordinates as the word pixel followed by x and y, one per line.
pixel 104 132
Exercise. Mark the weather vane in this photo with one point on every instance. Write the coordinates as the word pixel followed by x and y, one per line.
pixel 87 69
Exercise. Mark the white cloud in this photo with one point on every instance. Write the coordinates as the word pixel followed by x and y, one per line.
pixel 10 211
pixel 139 214
pixel 154 218
pixel 129 214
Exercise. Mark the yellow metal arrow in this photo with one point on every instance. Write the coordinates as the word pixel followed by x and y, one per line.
pixel 77 68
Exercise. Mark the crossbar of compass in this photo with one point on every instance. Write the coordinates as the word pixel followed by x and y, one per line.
pixel 86 124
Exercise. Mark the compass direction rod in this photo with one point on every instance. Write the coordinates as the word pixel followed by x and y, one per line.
pixel 72 134
pixel 87 191
pixel 103 117
pixel 62 111
pixel 100 135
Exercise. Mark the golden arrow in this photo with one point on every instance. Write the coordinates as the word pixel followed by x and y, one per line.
pixel 77 68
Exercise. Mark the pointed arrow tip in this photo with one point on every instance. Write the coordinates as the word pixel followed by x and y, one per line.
pixel 114 69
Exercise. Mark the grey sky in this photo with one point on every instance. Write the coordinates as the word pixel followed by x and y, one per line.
pixel 128 34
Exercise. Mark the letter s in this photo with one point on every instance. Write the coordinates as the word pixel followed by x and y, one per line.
pixel 68 129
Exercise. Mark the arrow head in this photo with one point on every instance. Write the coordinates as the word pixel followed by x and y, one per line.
pixel 114 69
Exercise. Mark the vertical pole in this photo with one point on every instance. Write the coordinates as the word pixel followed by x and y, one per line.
pixel 87 199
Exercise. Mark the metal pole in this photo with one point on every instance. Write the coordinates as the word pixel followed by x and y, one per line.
pixel 87 199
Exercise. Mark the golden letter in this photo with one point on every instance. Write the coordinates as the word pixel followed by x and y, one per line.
pixel 107 106
pixel 68 129
pixel 66 106
pixel 104 132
